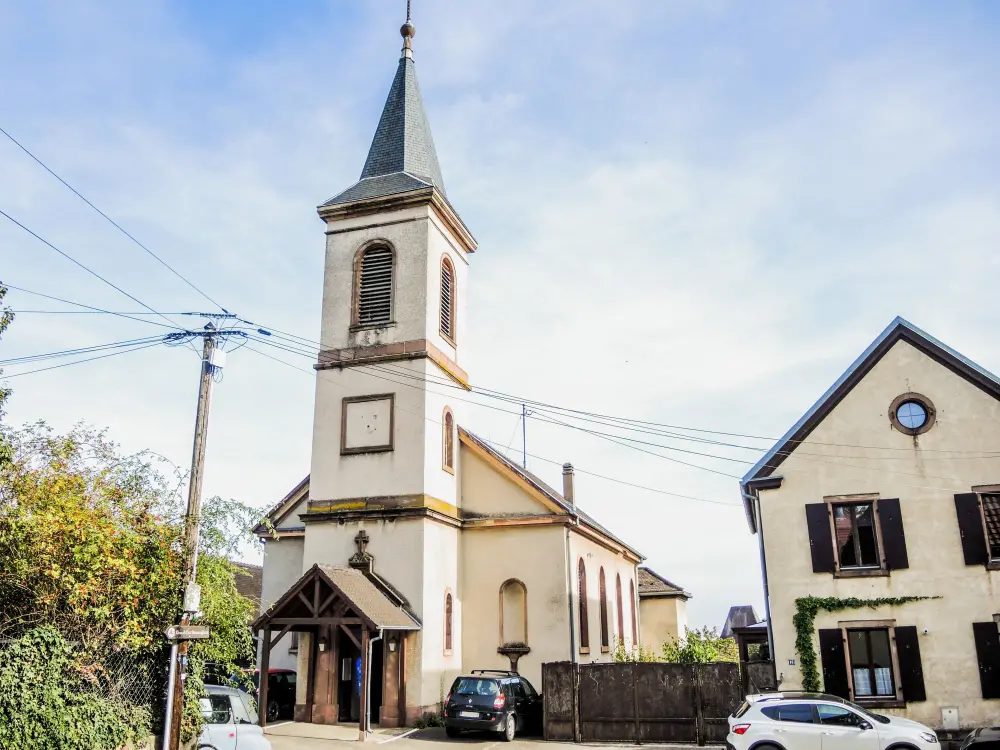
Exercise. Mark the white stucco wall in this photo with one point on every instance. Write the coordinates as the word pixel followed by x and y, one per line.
pixel 661 620
pixel 595 556
pixel 487 492
pixel 924 475
pixel 536 556
pixel 282 567
pixel 439 562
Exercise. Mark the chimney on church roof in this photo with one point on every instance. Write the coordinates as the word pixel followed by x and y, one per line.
pixel 568 484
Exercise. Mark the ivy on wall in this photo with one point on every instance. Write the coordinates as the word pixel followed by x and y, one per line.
pixel 806 609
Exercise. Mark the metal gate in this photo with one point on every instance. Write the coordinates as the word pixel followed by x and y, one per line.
pixel 639 702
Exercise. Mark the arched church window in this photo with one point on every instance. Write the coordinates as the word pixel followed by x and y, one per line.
pixel 619 610
pixel 603 594
pixel 448 299
pixel 373 286
pixel 581 582
pixel 513 613
pixel 448 622
pixel 448 441
pixel 635 620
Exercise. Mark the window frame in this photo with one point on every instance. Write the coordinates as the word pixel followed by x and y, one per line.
pixel 634 608
pixel 448 440
pixel 449 622
pixel 359 256
pixel 383 448
pixel 582 606
pixel 993 491
pixel 619 607
pixel 450 336
pixel 873 701
pixel 856 571
pixel 924 402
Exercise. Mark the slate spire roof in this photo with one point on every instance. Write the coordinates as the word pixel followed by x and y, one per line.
pixel 402 156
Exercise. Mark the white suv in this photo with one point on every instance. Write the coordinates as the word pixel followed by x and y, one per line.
pixel 814 721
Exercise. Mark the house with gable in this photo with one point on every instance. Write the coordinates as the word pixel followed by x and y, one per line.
pixel 879 511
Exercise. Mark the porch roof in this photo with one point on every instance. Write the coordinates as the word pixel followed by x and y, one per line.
pixel 377 608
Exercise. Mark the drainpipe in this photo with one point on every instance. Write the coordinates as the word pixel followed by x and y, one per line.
pixel 368 684
pixel 755 499
pixel 568 496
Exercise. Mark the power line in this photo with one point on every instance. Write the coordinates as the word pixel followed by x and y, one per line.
pixel 95 310
pixel 82 350
pixel 499 445
pixel 81 361
pixel 112 221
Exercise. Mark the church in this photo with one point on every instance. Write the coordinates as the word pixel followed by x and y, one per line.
pixel 414 551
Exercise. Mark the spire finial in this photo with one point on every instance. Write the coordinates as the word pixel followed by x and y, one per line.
pixel 408 31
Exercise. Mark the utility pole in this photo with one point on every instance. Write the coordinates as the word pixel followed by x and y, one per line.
pixel 210 361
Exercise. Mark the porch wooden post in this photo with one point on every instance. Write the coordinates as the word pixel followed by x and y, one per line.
pixel 402 678
pixel 262 679
pixel 365 671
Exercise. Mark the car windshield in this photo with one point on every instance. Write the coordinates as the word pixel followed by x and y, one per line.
pixel 475 686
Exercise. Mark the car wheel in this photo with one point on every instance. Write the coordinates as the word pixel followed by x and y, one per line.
pixel 273 710
pixel 509 729
pixel 452 732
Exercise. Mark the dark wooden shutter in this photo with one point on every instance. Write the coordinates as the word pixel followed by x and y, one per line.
pixel 890 522
pixel 988 653
pixel 970 526
pixel 831 655
pixel 375 287
pixel 911 671
pixel 820 538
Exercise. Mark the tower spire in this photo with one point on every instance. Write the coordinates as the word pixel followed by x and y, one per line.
pixel 408 31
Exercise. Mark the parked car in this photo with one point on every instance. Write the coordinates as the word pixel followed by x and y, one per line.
pixel 280 692
pixel 230 721
pixel 492 701
pixel 987 738
pixel 815 721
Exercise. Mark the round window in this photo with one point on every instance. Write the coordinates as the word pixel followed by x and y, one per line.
pixel 911 413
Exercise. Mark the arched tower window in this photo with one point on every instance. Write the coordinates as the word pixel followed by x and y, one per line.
pixel 603 594
pixel 513 613
pixel 448 441
pixel 449 294
pixel 635 620
pixel 619 610
pixel 581 582
pixel 448 622
pixel 373 286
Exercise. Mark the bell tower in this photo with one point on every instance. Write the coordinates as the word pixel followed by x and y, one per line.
pixel 385 464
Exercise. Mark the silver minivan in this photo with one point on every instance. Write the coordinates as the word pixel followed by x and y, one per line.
pixel 230 721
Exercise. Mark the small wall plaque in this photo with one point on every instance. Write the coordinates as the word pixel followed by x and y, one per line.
pixel 791 662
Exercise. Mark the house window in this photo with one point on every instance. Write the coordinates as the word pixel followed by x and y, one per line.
pixel 635 621
pixel 619 610
pixel 991 520
pixel 912 413
pixel 603 593
pixel 373 282
pixel 870 654
pixel 513 613
pixel 856 540
pixel 448 622
pixel 448 441
pixel 448 299
pixel 581 582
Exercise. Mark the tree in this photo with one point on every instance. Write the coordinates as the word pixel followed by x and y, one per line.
pixel 6 318
pixel 700 647
pixel 91 546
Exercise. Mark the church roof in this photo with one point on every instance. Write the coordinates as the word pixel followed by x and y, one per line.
pixel 653 585
pixel 740 616
pixel 402 156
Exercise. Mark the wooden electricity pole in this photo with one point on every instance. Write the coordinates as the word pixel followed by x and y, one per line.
pixel 192 530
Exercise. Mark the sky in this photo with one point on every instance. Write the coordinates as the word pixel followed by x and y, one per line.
pixel 688 213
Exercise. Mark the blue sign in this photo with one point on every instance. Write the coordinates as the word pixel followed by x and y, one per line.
pixel 357 674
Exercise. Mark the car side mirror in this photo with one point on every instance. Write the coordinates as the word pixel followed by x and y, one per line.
pixel 864 726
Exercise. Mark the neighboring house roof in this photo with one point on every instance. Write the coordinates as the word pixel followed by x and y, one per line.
pixel 740 616
pixel 277 512
pixel 556 497
pixel 898 330
pixel 402 156
pixel 249 582
pixel 653 585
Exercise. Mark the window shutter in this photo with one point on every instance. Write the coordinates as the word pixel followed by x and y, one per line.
pixel 911 671
pixel 988 652
pixel 447 300
pixel 375 286
pixel 831 655
pixel 890 521
pixel 970 526
pixel 820 538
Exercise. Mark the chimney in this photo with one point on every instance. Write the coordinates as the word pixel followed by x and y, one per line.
pixel 568 484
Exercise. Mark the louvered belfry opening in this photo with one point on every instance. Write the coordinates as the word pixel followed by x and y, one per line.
pixel 447 299
pixel 374 287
